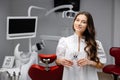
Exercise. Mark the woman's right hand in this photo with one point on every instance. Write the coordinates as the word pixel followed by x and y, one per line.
pixel 64 62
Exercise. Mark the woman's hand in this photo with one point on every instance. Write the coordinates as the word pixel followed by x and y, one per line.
pixel 64 62
pixel 83 62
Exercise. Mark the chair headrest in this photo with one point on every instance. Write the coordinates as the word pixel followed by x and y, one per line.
pixel 50 57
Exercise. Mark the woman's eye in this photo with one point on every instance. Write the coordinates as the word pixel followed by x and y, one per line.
pixel 84 22
pixel 77 19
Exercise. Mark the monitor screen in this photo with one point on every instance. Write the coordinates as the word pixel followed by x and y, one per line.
pixel 21 27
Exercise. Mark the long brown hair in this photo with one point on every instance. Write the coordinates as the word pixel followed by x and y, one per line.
pixel 89 34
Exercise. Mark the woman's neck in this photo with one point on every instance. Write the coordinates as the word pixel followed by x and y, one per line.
pixel 79 34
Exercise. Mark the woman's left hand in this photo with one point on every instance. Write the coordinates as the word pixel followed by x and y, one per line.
pixel 83 62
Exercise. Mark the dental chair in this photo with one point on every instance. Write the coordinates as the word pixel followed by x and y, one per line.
pixel 45 71
pixel 114 69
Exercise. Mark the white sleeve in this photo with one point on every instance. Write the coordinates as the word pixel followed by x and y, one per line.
pixel 61 48
pixel 101 53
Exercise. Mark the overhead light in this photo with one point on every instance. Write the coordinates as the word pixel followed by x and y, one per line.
pixel 69 14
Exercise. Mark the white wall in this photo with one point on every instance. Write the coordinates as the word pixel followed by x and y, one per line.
pixel 116 19
pixel 6 46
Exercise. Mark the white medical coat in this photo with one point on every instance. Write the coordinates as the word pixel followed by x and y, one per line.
pixel 67 48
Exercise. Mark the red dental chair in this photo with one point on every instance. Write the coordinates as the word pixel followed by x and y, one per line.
pixel 114 69
pixel 40 72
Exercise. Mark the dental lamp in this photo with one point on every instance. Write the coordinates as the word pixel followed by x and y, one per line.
pixel 69 14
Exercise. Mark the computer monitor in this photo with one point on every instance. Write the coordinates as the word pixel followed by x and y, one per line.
pixel 19 27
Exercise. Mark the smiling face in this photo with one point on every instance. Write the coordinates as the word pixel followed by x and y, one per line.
pixel 80 24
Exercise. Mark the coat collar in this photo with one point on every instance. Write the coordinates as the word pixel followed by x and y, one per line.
pixel 76 37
